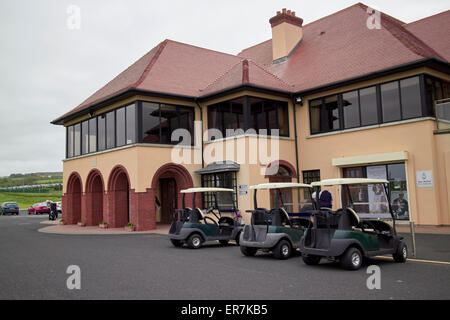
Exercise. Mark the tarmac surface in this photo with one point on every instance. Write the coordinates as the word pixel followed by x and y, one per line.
pixel 146 266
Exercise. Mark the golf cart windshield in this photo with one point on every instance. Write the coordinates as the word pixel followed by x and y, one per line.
pixel 367 197
pixel 295 198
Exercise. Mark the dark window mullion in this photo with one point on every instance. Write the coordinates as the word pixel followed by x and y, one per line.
pixel 379 106
pixel 400 99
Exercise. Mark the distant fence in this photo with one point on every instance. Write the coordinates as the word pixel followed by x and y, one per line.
pixel 443 114
pixel 37 188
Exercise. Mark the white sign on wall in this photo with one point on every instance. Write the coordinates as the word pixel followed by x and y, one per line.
pixel 243 189
pixel 424 179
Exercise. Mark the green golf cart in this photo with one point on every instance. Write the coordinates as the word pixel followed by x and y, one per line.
pixel 279 229
pixel 364 227
pixel 220 222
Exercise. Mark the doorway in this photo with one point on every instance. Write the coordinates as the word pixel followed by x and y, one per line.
pixel 168 192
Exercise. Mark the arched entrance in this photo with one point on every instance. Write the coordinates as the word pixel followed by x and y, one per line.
pixel 284 173
pixel 94 198
pixel 72 200
pixel 167 183
pixel 119 197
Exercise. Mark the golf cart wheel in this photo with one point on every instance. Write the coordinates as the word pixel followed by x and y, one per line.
pixel 401 254
pixel 282 250
pixel 248 251
pixel 194 241
pixel 311 260
pixel 177 243
pixel 223 242
pixel 352 259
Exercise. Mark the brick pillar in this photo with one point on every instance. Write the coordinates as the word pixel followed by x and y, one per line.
pixel 142 210
pixel 85 197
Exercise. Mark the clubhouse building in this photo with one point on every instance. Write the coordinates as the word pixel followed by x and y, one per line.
pixel 354 94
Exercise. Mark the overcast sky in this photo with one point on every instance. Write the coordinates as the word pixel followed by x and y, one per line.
pixel 46 69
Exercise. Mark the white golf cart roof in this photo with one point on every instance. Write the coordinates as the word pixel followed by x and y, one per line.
pixel 205 189
pixel 341 181
pixel 279 185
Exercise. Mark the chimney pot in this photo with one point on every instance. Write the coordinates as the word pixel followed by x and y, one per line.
pixel 284 10
pixel 293 13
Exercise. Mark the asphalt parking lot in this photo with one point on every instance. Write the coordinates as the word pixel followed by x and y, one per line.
pixel 146 266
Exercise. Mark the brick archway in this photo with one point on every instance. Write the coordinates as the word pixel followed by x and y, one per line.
pixel 183 180
pixel 118 197
pixel 72 199
pixel 93 211
pixel 274 177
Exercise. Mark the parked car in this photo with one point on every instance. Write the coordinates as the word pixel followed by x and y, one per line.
pixel 59 207
pixel 39 208
pixel 9 208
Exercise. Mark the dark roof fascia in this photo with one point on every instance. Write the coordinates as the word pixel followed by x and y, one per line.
pixel 433 63
pixel 117 97
pixel 243 87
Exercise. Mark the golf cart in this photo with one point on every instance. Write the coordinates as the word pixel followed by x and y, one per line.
pixel 357 230
pixel 279 229
pixel 193 226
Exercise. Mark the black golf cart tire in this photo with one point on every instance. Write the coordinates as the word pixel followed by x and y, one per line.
pixel 191 242
pixel 279 248
pixel 401 255
pixel 248 251
pixel 346 259
pixel 223 242
pixel 176 243
pixel 311 260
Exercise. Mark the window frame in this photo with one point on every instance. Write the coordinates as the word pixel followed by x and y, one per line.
pixel 423 103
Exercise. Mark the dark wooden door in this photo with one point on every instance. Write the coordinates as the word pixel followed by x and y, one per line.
pixel 168 199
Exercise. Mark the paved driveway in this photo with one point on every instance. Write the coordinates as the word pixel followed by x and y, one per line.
pixel 34 264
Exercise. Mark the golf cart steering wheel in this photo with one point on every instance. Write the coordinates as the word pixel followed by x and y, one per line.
pixel 214 222
pixel 210 210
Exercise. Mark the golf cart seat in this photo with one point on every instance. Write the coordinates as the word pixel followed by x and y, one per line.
pixel 280 217
pixel 260 216
pixel 226 222
pixel 348 219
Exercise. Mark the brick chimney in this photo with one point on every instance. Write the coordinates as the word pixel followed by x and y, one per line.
pixel 287 32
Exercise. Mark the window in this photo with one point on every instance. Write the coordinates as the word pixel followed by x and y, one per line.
pixel 101 132
pixel 324 114
pixel 435 89
pixel 77 139
pixel 387 102
pixel 368 103
pixel 131 124
pixel 350 104
pixel 120 127
pixel 410 93
pixel 110 130
pixel 159 121
pixel 84 137
pixel 220 180
pixel 311 176
pixel 249 113
pixel 370 198
pixel 390 101
pixel 93 135
pixel 70 142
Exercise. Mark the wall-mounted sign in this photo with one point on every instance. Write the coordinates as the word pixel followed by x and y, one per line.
pixel 424 179
pixel 243 189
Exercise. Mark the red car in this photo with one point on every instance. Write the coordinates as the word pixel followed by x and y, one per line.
pixel 39 208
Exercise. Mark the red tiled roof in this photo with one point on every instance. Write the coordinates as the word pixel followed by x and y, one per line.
pixel 334 48
pixel 340 46
pixel 246 72
pixel 434 31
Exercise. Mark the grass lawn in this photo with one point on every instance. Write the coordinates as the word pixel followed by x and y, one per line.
pixel 25 200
